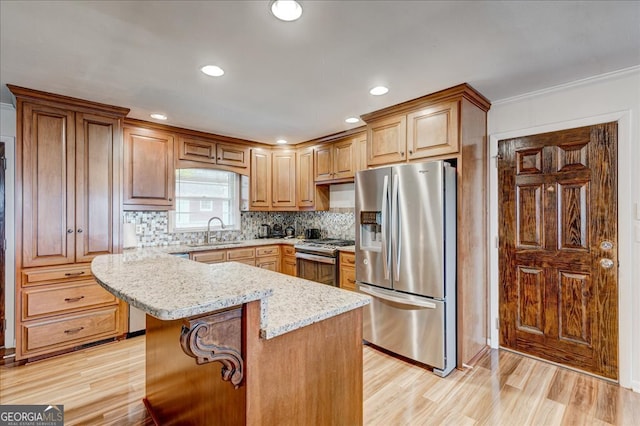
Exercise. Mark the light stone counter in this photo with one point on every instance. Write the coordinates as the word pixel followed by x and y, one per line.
pixel 169 288
pixel 218 245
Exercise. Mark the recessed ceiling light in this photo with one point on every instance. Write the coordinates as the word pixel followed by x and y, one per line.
pixel 281 141
pixel 212 70
pixel 158 116
pixel 286 10
pixel 378 90
pixel 352 120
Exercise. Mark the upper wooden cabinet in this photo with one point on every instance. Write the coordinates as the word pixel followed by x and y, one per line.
pixel 433 131
pixel 305 178
pixel 361 151
pixel 273 180
pixel 283 180
pixel 69 171
pixel 336 161
pixel 208 153
pixel 310 195
pixel 387 141
pixel 260 182
pixel 149 171
pixel 422 128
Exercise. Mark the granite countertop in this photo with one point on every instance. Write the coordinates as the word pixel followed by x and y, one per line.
pixel 348 249
pixel 223 245
pixel 218 245
pixel 169 288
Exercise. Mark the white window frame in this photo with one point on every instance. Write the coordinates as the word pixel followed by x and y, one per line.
pixel 215 225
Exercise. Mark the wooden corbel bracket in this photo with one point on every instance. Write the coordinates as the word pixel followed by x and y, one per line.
pixel 216 337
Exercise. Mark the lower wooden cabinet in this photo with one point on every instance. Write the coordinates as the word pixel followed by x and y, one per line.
pixel 288 260
pixel 348 271
pixel 62 307
pixel 64 332
pixel 266 257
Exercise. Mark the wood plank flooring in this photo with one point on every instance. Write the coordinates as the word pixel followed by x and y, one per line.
pixel 104 385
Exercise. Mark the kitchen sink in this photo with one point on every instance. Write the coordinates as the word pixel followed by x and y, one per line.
pixel 213 244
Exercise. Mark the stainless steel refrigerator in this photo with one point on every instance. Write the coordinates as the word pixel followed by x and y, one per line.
pixel 406 260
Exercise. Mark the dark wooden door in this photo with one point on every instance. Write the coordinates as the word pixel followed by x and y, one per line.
pixel 558 247
pixel 2 244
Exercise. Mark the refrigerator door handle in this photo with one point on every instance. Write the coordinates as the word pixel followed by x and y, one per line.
pixel 395 225
pixel 385 227
pixel 401 300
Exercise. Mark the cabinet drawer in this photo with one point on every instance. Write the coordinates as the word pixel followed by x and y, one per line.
pixel 35 276
pixel 270 263
pixel 210 256
pixel 241 253
pixel 250 262
pixel 347 259
pixel 289 250
pixel 56 299
pixel 267 251
pixel 69 331
pixel 348 278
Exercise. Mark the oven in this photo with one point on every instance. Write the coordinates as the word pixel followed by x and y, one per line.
pixel 317 260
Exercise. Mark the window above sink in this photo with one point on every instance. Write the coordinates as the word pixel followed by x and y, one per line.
pixel 202 194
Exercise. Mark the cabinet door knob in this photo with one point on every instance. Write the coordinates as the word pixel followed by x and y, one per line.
pixel 410 151
pixel 402 153
pixel 69 231
pixel 79 231
pixel 170 199
pixel 219 158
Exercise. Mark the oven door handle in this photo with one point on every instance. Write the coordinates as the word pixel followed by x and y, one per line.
pixel 315 257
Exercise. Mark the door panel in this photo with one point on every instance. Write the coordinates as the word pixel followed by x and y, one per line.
pixel 558 204
pixel 48 186
pixel 96 190
pixel 418 251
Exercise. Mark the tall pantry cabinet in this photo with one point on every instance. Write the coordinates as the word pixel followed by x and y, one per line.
pixel 68 203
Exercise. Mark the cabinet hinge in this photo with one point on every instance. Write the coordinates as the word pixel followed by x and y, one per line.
pixel 4 162
pixel 497 323
pixel 4 324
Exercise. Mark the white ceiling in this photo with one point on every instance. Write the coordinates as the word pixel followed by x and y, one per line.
pixel 300 80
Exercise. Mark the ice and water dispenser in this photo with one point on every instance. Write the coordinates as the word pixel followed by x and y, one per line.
pixel 370 230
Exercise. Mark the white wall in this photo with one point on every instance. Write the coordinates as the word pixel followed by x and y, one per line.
pixel 7 135
pixel 610 97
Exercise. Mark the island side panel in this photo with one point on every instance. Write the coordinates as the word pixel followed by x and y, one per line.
pixel 179 391
pixel 312 375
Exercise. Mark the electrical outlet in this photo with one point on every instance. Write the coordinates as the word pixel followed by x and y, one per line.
pixel 138 229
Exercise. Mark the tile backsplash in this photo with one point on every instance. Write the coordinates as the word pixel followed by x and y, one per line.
pixel 152 227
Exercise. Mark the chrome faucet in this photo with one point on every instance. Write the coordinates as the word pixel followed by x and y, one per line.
pixel 206 237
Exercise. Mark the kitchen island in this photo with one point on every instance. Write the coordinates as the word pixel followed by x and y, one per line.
pixel 233 344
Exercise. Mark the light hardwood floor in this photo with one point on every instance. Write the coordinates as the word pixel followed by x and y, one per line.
pixel 104 385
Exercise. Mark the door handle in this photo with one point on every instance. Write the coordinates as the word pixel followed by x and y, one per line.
pixel 401 300
pixel 606 263
pixel 385 225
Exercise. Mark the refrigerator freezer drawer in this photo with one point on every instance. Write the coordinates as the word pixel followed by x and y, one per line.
pixel 410 326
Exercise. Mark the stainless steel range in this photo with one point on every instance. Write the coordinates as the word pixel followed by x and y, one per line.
pixel 316 260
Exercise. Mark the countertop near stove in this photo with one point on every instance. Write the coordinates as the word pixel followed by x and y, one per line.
pixel 348 249
pixel 168 288
pixel 222 245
